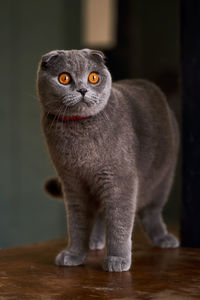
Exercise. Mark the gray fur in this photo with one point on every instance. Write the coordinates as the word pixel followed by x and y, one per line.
pixel 116 163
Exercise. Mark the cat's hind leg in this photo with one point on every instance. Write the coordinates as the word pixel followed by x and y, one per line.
pixel 155 228
pixel 97 238
pixel 152 220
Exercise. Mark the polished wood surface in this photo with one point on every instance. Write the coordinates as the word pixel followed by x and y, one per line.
pixel 29 273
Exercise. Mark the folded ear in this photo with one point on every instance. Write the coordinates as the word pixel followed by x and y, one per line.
pixel 96 55
pixel 49 58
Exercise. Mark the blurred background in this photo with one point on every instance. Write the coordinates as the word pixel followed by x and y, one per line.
pixel 140 39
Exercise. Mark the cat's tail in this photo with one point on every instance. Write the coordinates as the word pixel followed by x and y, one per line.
pixel 53 187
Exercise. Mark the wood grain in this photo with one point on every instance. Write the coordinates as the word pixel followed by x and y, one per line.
pixel 29 273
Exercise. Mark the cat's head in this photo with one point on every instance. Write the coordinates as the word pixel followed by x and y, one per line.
pixel 74 82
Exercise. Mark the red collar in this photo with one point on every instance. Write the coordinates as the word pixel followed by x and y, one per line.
pixel 64 119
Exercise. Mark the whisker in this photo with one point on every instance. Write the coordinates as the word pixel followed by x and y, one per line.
pixel 94 97
pixel 72 103
pixel 75 102
pixel 52 123
pixel 61 98
pixel 54 119
pixel 69 98
pixel 64 115
pixel 91 101
pixel 68 103
pixel 47 114
pixel 58 115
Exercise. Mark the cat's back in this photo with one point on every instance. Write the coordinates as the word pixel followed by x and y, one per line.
pixel 142 94
pixel 153 123
pixel 146 104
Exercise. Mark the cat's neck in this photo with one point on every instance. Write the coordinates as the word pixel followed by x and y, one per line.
pixel 64 119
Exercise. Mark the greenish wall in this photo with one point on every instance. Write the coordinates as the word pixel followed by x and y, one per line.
pixel 28 30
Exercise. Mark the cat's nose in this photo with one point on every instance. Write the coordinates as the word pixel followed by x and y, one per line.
pixel 83 91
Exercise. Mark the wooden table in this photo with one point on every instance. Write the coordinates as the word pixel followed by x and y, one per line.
pixel 29 273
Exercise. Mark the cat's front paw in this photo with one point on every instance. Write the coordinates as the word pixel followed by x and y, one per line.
pixel 166 241
pixel 116 264
pixel 67 258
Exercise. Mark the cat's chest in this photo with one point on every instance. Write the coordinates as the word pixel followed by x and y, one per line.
pixel 77 152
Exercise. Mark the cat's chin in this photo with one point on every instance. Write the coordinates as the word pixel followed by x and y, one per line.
pixel 85 108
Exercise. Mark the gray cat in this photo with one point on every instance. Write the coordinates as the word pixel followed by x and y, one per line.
pixel 114 147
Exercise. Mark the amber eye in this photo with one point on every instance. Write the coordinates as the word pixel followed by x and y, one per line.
pixel 64 78
pixel 93 77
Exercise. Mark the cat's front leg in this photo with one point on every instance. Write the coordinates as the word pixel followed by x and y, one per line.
pixel 119 216
pixel 79 228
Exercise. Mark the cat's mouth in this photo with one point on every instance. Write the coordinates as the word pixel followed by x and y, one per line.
pixel 88 101
pixel 80 101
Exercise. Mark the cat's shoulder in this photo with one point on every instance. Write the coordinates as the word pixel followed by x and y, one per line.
pixel 140 89
pixel 135 90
